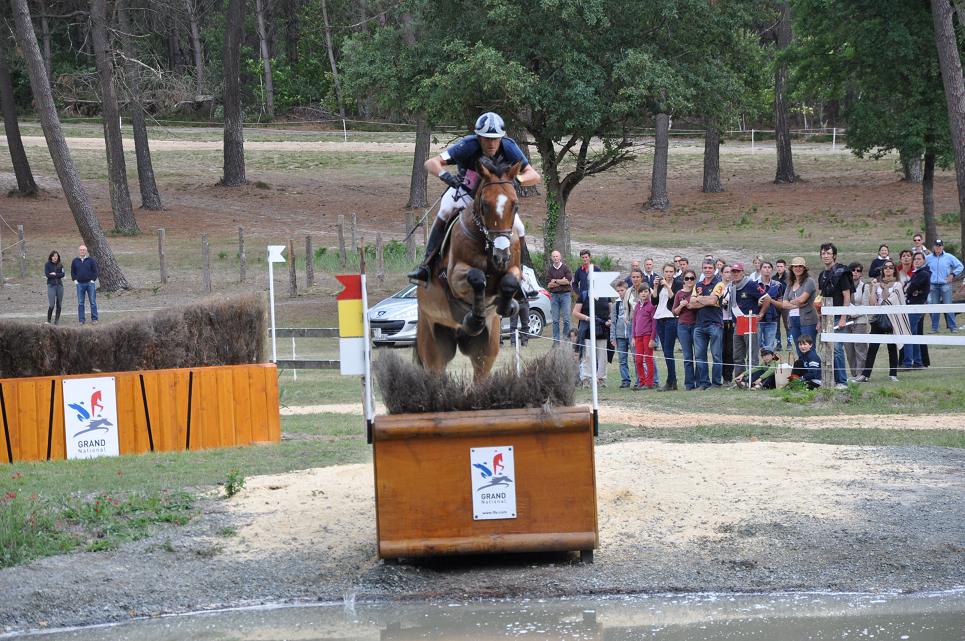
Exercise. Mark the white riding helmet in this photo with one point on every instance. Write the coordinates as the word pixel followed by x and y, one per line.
pixel 490 125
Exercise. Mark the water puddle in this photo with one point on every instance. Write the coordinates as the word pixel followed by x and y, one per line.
pixel 782 617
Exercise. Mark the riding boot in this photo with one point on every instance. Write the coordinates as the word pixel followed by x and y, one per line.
pixel 436 234
pixel 524 258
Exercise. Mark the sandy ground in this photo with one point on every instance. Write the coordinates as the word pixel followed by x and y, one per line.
pixel 751 516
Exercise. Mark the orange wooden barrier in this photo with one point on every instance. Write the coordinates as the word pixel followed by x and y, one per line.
pixel 424 495
pixel 157 410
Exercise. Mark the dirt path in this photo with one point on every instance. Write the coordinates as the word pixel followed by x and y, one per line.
pixel 625 416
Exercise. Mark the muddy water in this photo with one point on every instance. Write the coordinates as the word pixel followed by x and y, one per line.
pixel 788 617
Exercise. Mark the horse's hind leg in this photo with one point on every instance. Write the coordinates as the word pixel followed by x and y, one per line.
pixel 482 349
pixel 435 345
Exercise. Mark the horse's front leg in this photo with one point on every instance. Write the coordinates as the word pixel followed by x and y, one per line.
pixel 506 304
pixel 471 281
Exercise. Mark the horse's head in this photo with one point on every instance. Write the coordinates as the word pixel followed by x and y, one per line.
pixel 495 208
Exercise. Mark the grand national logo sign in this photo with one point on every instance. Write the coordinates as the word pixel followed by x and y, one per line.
pixel 90 417
pixel 493 473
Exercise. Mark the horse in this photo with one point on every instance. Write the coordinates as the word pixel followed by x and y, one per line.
pixel 473 283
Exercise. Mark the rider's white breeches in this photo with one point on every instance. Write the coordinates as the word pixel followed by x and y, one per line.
pixel 449 204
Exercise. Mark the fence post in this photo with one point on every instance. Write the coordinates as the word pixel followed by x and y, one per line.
pixel 3 281
pixel 23 251
pixel 292 274
pixel 355 230
pixel 379 259
pixel 162 256
pixel 361 253
pixel 205 264
pixel 410 236
pixel 340 226
pixel 834 138
pixel 752 140
pixel 309 262
pixel 242 259
pixel 827 353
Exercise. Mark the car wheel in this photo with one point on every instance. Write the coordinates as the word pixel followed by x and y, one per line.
pixel 536 322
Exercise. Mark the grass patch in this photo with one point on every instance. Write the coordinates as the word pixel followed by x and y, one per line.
pixel 611 433
pixel 33 528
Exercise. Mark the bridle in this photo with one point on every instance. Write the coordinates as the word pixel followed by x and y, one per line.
pixel 489 236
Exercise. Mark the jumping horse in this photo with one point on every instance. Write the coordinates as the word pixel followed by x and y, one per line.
pixel 473 283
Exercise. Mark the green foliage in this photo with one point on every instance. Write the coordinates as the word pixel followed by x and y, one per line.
pixel 28 531
pixel 234 482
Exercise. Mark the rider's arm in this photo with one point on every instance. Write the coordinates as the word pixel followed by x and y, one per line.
pixel 435 165
pixel 528 176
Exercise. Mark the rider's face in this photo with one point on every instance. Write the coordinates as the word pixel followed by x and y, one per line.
pixel 489 145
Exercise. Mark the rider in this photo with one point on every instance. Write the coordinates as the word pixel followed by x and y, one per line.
pixel 489 140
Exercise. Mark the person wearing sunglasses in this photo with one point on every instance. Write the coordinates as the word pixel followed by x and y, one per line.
pixel 856 353
pixel 686 320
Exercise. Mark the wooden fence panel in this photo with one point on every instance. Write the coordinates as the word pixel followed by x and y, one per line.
pixel 226 409
pixel 240 390
pixel 229 406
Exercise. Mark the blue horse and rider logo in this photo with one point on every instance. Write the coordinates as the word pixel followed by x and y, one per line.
pixel 91 420
pixel 494 474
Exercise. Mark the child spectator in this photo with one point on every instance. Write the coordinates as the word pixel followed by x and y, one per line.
pixel 620 335
pixel 762 376
pixel 644 328
pixel 807 367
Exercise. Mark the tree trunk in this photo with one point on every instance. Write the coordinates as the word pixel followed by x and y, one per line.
pixel 18 156
pixel 782 129
pixel 45 37
pixel 200 78
pixel 418 198
pixel 555 225
pixel 260 8
pixel 331 59
pixel 150 198
pixel 658 179
pixel 292 30
pixel 234 135
pixel 950 61
pixel 111 276
pixel 124 220
pixel 928 199
pixel 911 168
pixel 712 161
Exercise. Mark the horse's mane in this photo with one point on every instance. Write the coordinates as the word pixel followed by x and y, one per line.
pixel 493 167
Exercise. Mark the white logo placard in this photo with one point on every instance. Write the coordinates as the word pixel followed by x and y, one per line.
pixel 493 473
pixel 90 417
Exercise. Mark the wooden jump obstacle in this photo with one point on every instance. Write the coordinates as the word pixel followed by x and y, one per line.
pixel 158 410
pixel 424 492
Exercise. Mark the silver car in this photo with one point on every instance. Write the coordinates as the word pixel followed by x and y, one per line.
pixel 393 320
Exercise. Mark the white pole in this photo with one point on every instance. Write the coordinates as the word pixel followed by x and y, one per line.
pixel 750 350
pixel 592 356
pixel 294 371
pixel 344 130
pixel 519 361
pixel 752 140
pixel 271 297
pixel 369 404
pixel 834 138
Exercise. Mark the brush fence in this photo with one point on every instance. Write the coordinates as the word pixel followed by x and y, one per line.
pixel 157 411
pixel 514 480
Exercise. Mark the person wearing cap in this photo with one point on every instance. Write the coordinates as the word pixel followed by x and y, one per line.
pixel 708 331
pixel 488 139
pixel 945 268
pixel 746 298
pixel 798 300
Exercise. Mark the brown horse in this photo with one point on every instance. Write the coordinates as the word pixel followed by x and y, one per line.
pixel 472 285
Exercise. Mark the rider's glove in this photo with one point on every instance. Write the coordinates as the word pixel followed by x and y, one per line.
pixel 449 179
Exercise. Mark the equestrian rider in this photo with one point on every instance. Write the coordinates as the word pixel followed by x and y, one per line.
pixel 489 140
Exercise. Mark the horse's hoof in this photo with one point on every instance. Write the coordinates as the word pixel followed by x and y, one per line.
pixel 473 325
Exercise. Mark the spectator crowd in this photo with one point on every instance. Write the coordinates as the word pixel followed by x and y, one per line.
pixel 731 320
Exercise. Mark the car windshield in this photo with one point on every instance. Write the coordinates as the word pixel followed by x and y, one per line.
pixel 408 292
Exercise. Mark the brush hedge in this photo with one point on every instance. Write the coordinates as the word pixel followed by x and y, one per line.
pixel 216 332
pixel 549 379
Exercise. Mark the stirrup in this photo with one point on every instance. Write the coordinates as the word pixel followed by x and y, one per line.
pixel 420 275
